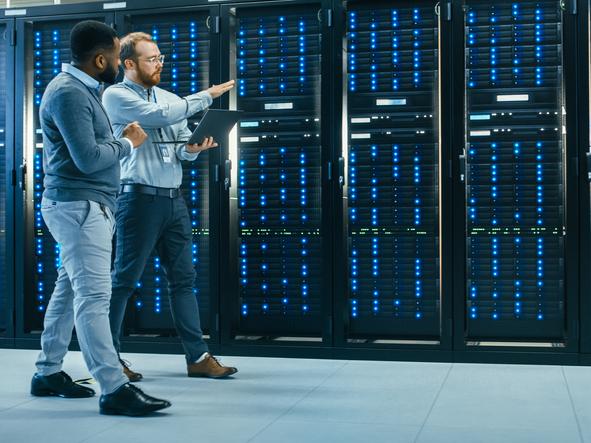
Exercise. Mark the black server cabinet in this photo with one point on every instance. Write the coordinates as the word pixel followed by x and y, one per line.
pixel 392 188
pixel 6 178
pixel 43 45
pixel 516 169
pixel 188 37
pixel 585 176
pixel 278 285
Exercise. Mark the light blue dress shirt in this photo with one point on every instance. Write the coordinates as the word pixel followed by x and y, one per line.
pixel 90 82
pixel 164 118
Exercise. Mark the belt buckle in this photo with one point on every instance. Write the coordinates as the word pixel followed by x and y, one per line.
pixel 171 193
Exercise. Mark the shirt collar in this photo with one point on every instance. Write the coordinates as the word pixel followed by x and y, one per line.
pixel 93 84
pixel 137 87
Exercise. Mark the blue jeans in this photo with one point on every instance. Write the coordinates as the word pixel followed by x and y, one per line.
pixel 145 223
pixel 84 231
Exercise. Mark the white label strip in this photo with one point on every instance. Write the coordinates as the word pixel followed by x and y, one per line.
pixel 248 139
pixel 479 133
pixel 118 5
pixel 480 117
pixel 249 124
pixel 513 98
pixel 361 120
pixel 360 136
pixel 14 12
pixel 270 106
pixel 390 101
pixel 39 145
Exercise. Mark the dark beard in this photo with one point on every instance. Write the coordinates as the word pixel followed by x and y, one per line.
pixel 109 75
pixel 148 79
pixel 120 74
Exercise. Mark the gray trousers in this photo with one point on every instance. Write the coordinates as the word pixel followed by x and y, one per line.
pixel 84 231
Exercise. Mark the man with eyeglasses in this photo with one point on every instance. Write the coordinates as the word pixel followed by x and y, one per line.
pixel 151 212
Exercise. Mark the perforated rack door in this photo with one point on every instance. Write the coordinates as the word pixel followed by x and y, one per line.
pixel 6 72
pixel 184 38
pixel 392 171
pixel 278 159
pixel 46 48
pixel 514 177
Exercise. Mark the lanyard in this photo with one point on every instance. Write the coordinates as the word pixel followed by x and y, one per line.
pixel 153 93
pixel 165 154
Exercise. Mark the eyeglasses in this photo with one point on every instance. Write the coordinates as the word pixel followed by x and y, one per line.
pixel 155 59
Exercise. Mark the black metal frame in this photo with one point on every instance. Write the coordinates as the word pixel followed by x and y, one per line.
pixel 139 9
pixel 23 208
pixel 572 245
pixel 229 261
pixel 570 342
pixel 445 195
pixel 452 346
pixel 7 338
pixel 584 143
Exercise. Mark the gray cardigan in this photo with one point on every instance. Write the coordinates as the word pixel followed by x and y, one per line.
pixel 80 154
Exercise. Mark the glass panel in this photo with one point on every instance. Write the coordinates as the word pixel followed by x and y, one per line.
pixel 184 39
pixel 393 167
pixel 47 48
pixel 278 192
pixel 515 170
pixel 5 315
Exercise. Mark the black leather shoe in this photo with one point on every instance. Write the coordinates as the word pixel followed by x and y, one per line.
pixel 129 400
pixel 58 385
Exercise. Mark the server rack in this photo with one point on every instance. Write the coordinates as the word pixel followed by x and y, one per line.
pixel 43 45
pixel 393 145
pixel 189 38
pixel 276 174
pixel 515 170
pixel 336 332
pixel 6 179
pixel 584 20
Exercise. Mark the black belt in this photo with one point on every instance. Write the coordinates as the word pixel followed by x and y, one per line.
pixel 152 190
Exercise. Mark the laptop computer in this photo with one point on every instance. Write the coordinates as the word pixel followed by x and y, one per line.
pixel 216 123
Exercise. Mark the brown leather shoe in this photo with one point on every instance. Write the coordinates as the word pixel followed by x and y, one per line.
pixel 210 367
pixel 131 376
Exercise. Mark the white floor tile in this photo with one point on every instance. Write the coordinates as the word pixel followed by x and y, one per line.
pixel 504 396
pixel 291 400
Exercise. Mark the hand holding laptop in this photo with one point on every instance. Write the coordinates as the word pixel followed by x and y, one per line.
pixel 215 125
pixel 208 143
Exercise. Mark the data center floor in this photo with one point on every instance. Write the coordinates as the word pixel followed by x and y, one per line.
pixel 291 400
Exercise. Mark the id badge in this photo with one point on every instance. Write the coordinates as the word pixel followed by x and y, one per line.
pixel 165 154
